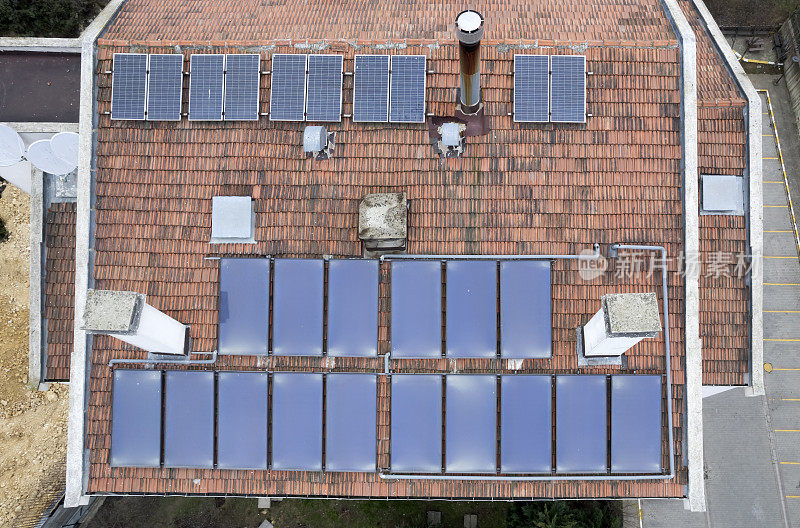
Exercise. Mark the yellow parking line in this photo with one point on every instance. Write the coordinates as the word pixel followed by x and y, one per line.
pixel 779 256
pixel 792 340
pixel 781 311
pixel 793 496
pixel 773 181
pixel 789 369
pixel 791 463
pixel 790 399
pixel 782 284
pixel 776 206
pixel 787 430
pixel 779 231
pixel 771 158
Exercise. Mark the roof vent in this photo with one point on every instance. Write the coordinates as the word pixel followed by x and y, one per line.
pixel 624 319
pixel 469 30
pixel 317 142
pixel 126 316
pixel 723 194
pixel 233 220
pixel 383 222
pixel 451 144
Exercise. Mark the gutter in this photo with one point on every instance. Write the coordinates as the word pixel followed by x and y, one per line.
pixel 77 462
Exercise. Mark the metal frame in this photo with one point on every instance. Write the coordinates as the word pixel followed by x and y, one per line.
pixel 146 76
pixel 514 101
pixel 258 87
pixel 341 83
pixel 355 85
pixel 180 89
pixel 272 86
pixel 585 88
pixel 424 87
pixel 191 76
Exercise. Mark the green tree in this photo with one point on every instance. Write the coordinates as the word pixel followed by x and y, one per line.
pixel 47 18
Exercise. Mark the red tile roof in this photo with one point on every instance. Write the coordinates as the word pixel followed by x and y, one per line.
pixel 522 189
pixel 59 289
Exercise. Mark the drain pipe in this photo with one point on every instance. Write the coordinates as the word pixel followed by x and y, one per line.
pixel 175 361
pixel 614 248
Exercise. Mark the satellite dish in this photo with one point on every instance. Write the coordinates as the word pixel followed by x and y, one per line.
pixel 11 146
pixel 43 158
pixel 65 146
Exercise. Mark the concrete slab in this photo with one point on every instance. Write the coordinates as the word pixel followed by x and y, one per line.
pixel 781 270
pixel 781 245
pixel 775 194
pixel 39 86
pixel 783 298
pixel 780 324
pixel 776 218
pixel 670 513
pixel 737 445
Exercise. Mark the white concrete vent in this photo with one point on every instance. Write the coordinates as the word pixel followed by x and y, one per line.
pixel 127 317
pixel 624 319
pixel 318 143
pixel 722 194
pixel 383 222
pixel 233 220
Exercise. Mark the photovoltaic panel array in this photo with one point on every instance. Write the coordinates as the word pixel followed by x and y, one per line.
pixel 471 320
pixel 371 89
pixel 407 91
pixel 206 87
pixel 288 87
pixel 471 424
pixel 242 420
pixel 242 87
pixel 324 102
pixel 350 422
pixel 297 421
pixel 416 441
pixel 526 320
pixel 353 307
pixel 243 306
pixel 636 424
pixel 581 436
pixel 298 293
pixel 416 309
pixel 129 86
pixel 531 88
pixel 526 424
pixel 165 87
pixel 568 88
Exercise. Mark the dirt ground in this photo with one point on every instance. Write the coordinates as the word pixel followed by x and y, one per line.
pixel 745 13
pixel 33 424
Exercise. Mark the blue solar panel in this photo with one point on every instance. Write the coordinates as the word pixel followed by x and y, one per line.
pixel 243 306
pixel 136 418
pixel 581 438
pixel 568 88
pixel 526 432
pixel 324 102
pixel 636 424
pixel 206 87
pixel 287 100
pixel 129 86
pixel 525 309
pixel 371 89
pixel 407 94
pixel 531 85
pixel 242 420
pixel 416 444
pixel 241 87
pixel 297 421
pixel 471 328
pixel 189 419
pixel 471 424
pixel 297 298
pixel 165 87
pixel 353 308
pixel 416 328
pixel 350 432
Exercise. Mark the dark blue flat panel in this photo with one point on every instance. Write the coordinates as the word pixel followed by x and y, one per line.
pixel 568 88
pixel 471 308
pixel 471 424
pixel 136 418
pixel 205 87
pixel 242 86
pixel 371 89
pixel 189 419
pixel 243 306
pixel 407 94
pixel 416 444
pixel 129 86
pixel 297 421
pixel 324 100
pixel 242 420
pixel 526 320
pixel 297 305
pixel 287 99
pixel 350 434
pixel 531 85
pixel 165 87
pixel 526 441
pixel 353 308
pixel 581 438
pixel 416 309
pixel 636 424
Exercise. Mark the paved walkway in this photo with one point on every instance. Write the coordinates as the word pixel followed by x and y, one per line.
pixel 752 444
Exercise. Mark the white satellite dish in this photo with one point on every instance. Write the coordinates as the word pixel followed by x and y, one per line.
pixel 43 158
pixel 65 146
pixel 11 146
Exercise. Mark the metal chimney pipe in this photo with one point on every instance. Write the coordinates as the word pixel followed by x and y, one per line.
pixel 469 30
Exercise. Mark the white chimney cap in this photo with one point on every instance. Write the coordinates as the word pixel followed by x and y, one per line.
pixel 315 138
pixel 469 21
pixel 451 134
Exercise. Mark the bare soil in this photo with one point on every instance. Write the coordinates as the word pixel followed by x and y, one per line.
pixel 33 424
pixel 747 13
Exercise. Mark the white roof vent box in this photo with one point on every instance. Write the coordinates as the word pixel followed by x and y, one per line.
pixel 318 142
pixel 233 220
pixel 383 223
pixel 722 194
pixel 451 139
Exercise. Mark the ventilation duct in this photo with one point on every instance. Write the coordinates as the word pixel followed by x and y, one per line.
pixel 469 31
pixel 623 320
